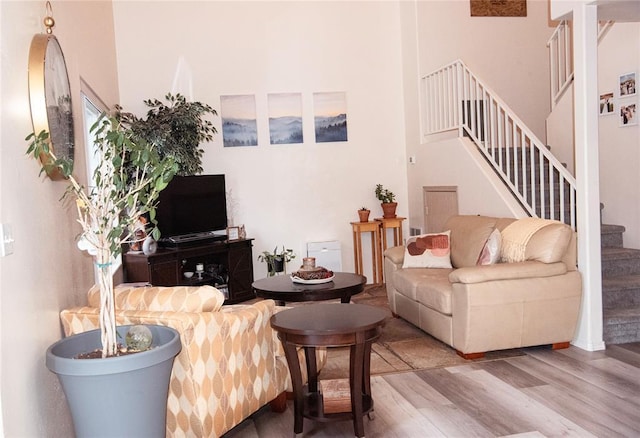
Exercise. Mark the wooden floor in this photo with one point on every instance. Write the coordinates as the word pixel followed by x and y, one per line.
pixel 544 393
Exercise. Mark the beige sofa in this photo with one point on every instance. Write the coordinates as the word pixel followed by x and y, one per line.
pixel 231 362
pixel 479 308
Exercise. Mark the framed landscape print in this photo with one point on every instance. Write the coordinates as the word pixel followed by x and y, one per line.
pixel 285 118
pixel 239 126
pixel 330 116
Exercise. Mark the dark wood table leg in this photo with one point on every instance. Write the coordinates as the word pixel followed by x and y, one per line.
pixel 291 354
pixel 356 378
pixel 345 299
pixel 312 368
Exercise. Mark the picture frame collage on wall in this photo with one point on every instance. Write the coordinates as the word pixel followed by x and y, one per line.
pixel 285 118
pixel 625 105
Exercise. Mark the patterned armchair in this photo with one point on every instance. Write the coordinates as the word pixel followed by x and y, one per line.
pixel 231 362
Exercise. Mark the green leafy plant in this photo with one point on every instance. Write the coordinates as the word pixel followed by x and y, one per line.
pixel 384 195
pixel 177 128
pixel 110 208
pixel 364 209
pixel 277 259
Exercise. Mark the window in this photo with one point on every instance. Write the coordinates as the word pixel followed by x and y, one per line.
pixel 92 109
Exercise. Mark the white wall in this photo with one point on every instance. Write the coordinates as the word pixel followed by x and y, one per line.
pixel 620 146
pixel 46 272
pixel 285 194
pixel 504 52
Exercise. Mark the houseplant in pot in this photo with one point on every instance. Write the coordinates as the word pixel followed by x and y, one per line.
pixel 363 213
pixel 176 127
pixel 387 200
pixel 106 387
pixel 277 260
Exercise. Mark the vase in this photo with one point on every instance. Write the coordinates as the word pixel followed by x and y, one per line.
pixel 116 396
pixel 389 209
pixel 278 265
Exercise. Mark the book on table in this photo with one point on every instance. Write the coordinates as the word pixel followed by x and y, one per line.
pixel 336 395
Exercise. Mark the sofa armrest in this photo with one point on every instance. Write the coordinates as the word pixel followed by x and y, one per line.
pixel 506 271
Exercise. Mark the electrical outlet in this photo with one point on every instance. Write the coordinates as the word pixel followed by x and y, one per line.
pixel 6 245
pixel 412 159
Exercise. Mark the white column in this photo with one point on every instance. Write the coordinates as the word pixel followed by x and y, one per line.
pixel 585 46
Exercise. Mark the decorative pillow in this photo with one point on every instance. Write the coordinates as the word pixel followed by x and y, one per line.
pixel 161 299
pixel 428 251
pixel 491 251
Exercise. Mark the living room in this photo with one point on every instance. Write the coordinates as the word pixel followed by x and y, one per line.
pixel 125 52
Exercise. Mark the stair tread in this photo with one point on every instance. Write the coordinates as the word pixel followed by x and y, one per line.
pixel 615 314
pixel 609 228
pixel 610 253
pixel 631 281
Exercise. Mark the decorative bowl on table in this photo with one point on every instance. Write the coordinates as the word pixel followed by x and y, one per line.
pixel 316 275
pixel 187 274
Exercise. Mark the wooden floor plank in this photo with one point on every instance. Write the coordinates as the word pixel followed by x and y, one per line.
pixel 605 424
pixel 602 378
pixel 599 399
pixel 544 393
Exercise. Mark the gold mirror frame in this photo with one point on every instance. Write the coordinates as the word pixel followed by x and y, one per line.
pixel 50 96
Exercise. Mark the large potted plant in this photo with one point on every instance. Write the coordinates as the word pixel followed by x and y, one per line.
pixel 387 201
pixel 176 127
pixel 129 390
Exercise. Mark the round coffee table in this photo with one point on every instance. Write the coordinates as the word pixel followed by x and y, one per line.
pixel 281 289
pixel 330 325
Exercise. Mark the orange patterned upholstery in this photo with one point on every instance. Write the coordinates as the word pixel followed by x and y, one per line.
pixel 231 362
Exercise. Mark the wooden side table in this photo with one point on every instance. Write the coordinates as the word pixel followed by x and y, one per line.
pixel 330 325
pixel 372 227
pixel 394 224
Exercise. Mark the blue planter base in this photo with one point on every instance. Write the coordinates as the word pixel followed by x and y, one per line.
pixel 116 396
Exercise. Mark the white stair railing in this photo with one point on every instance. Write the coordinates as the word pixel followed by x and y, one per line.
pixel 454 98
pixel 561 57
pixel 560 60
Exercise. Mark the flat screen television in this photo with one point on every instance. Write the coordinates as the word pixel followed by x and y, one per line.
pixel 192 208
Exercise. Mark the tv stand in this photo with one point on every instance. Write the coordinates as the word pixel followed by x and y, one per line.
pixel 223 260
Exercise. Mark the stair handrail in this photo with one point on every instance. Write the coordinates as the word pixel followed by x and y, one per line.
pixel 560 60
pixel 560 46
pixel 454 98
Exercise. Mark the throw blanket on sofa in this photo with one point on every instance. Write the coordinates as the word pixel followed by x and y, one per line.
pixel 516 235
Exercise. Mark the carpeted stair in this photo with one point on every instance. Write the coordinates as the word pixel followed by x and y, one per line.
pixel 620 288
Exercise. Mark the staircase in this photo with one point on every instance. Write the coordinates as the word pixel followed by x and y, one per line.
pixel 620 288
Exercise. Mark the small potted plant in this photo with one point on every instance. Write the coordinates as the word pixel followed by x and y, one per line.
pixel 277 260
pixel 387 199
pixel 364 214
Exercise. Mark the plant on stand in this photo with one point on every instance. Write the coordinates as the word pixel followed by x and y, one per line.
pixel 277 260
pixel 363 213
pixel 387 200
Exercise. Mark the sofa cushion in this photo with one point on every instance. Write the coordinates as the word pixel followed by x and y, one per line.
pixel 468 236
pixel 430 287
pixel 428 251
pixel 161 299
